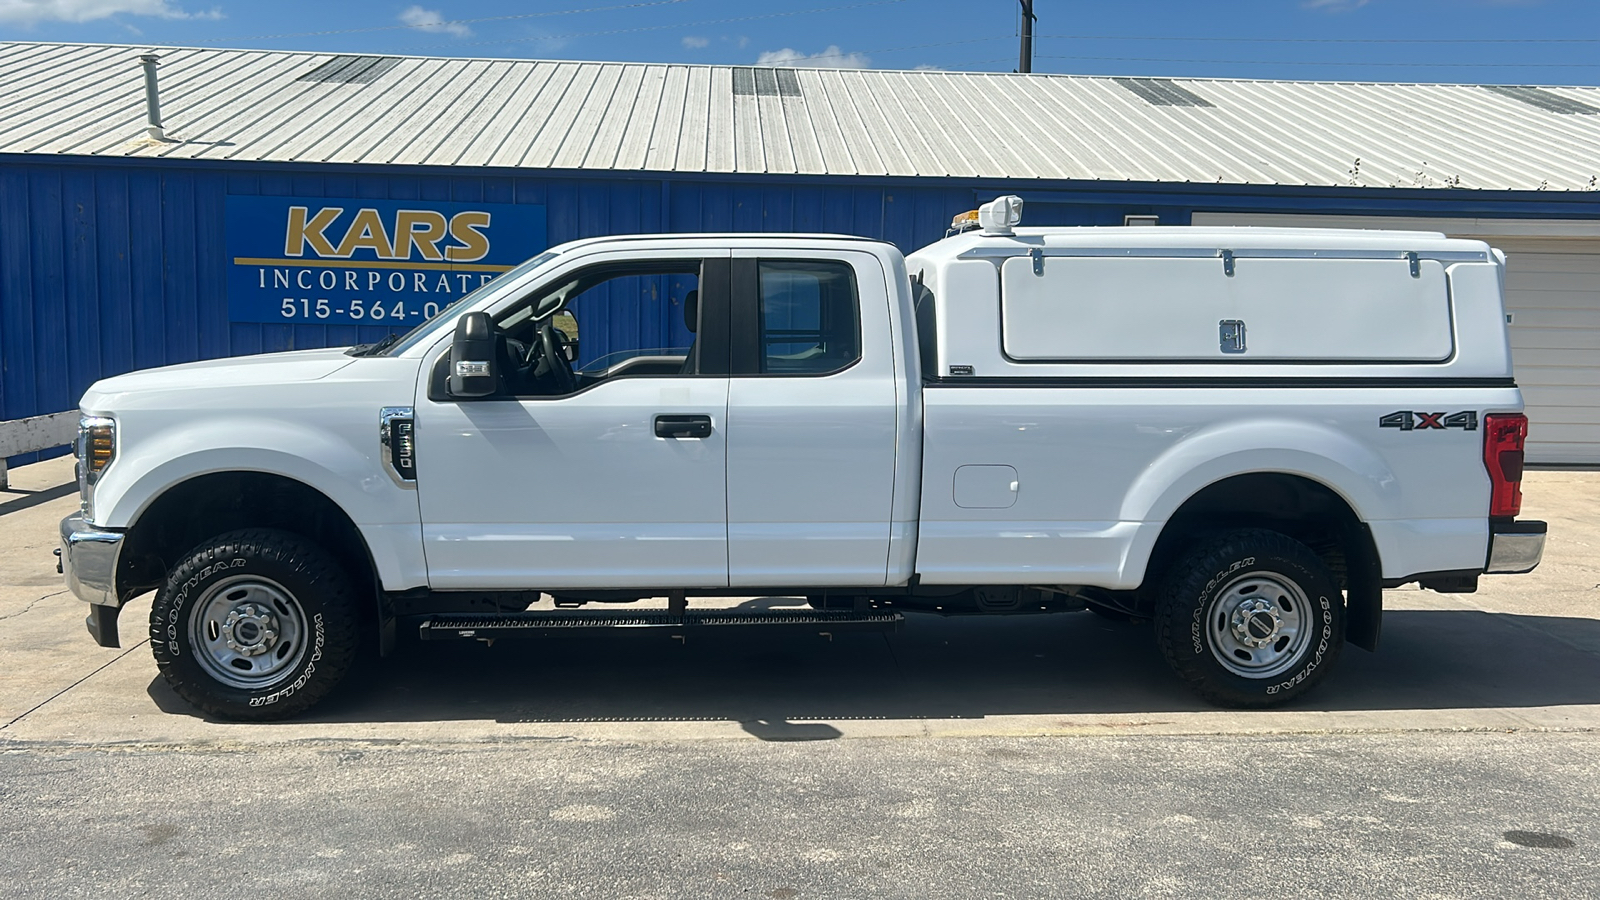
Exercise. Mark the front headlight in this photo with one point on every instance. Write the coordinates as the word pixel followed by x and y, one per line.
pixel 97 447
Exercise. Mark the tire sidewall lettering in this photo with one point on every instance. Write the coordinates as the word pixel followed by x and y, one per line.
pixel 1324 640
pixel 1202 605
pixel 1190 598
pixel 310 669
pixel 180 599
pixel 313 580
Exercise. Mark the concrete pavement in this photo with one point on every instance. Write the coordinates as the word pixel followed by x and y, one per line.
pixel 1019 757
pixel 1523 653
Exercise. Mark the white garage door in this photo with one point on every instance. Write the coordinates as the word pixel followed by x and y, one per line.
pixel 1553 296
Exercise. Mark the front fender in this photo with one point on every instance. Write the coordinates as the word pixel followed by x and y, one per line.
pixel 351 476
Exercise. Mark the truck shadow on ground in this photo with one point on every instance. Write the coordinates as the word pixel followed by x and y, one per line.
pixel 787 686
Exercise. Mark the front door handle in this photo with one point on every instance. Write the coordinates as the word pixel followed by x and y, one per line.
pixel 683 426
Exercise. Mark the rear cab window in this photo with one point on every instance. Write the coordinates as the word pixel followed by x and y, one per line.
pixel 808 317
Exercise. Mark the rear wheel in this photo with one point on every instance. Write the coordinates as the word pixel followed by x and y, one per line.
pixel 254 624
pixel 1250 618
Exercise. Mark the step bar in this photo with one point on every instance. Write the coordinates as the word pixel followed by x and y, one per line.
pixel 490 626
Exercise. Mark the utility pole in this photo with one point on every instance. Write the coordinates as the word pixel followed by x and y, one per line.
pixel 1026 64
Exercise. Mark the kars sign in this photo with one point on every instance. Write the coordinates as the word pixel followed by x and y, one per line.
pixel 335 261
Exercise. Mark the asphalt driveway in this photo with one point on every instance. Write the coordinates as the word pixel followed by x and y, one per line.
pixel 999 757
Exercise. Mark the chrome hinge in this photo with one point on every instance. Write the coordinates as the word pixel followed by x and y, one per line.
pixel 1227 262
pixel 1038 260
pixel 397 432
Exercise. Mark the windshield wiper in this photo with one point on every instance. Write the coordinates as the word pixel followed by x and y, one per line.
pixel 374 349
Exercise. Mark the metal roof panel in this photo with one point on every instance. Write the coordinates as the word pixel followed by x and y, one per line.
pixel 88 100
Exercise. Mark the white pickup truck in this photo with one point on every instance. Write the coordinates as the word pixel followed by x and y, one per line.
pixel 1242 435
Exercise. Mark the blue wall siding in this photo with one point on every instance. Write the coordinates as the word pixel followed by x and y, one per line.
pixel 107 266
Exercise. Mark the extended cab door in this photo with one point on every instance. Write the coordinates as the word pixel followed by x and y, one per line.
pixel 618 482
pixel 811 420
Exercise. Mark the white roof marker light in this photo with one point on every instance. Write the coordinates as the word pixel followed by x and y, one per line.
pixel 998 216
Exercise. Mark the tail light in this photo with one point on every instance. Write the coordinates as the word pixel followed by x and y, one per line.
pixel 1503 439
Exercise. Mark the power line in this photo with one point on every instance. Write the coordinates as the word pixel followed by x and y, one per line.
pixel 1243 40
pixel 442 23
pixel 643 28
pixel 843 55
pixel 1280 62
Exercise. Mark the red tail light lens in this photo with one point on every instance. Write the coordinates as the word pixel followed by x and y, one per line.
pixel 1503 439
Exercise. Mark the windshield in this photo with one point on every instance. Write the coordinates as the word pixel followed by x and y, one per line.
pixel 426 329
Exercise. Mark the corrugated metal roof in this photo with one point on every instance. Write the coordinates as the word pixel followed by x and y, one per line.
pixel 249 105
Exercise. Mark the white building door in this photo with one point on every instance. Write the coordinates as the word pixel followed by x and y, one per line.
pixel 1553 297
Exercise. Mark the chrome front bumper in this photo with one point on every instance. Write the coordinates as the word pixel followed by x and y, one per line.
pixel 1515 547
pixel 89 560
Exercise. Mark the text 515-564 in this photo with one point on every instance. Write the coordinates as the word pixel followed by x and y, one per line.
pixel 355 309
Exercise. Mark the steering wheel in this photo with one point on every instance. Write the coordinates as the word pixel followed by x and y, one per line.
pixel 549 363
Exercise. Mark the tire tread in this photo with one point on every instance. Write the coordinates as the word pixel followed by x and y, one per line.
pixel 1175 611
pixel 298 555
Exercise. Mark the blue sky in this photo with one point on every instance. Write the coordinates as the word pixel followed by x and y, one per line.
pixel 1488 41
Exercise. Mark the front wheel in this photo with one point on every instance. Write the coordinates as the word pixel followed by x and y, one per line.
pixel 255 624
pixel 1250 619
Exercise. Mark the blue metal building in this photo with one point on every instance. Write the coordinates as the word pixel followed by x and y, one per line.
pixel 274 180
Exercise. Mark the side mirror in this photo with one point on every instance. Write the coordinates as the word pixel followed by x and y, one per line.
pixel 473 362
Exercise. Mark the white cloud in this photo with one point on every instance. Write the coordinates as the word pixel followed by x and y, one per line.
pixel 545 42
pixel 927 67
pixel 29 12
pixel 1335 5
pixel 830 58
pixel 691 42
pixel 431 20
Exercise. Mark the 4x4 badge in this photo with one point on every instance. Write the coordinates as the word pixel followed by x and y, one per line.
pixel 1406 420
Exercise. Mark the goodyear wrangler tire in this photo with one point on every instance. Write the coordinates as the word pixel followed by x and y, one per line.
pixel 1250 619
pixel 255 624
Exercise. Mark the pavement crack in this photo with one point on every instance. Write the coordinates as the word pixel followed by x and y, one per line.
pixel 74 684
pixel 25 609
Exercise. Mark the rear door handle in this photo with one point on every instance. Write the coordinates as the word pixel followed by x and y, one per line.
pixel 683 426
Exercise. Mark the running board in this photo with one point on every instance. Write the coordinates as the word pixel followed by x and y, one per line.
pixel 533 624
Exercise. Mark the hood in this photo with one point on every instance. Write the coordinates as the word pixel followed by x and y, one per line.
pixel 267 368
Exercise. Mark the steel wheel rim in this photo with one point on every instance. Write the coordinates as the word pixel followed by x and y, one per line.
pixel 1260 625
pixel 248 632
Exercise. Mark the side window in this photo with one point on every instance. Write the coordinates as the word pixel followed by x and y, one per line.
pixel 809 317
pixel 628 314
pixel 615 320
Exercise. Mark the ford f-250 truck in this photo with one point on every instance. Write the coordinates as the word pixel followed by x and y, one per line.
pixel 1243 435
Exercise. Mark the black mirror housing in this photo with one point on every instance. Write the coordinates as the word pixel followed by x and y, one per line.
pixel 473 361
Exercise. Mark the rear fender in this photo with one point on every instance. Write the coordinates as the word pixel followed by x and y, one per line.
pixel 1325 455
